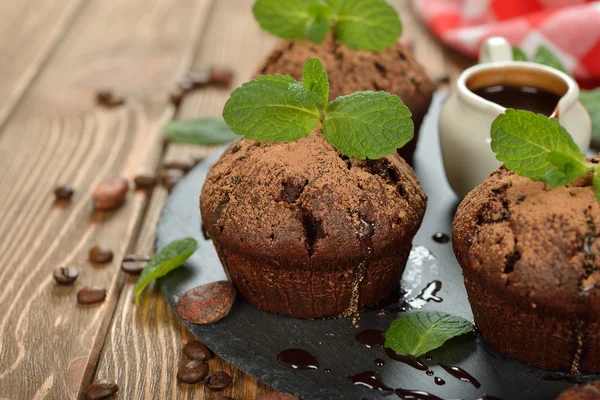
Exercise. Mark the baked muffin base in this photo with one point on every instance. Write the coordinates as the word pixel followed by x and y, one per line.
pixel 549 342
pixel 323 293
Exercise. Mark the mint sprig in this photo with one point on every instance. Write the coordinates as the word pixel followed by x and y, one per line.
pixel 359 24
pixel 206 131
pixel 418 333
pixel 280 109
pixel 539 148
pixel 167 259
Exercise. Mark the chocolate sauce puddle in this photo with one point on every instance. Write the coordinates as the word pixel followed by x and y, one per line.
pixel 297 359
pixel 370 338
pixel 415 395
pixel 440 238
pixel 439 381
pixel 371 380
pixel 408 360
pixel 380 362
pixel 461 374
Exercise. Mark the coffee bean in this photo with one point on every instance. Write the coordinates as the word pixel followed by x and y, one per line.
pixel 144 182
pixel 110 193
pixel 194 80
pixel 278 396
pixel 207 303
pixel 133 267
pixel 65 275
pixel 176 96
pixel 194 350
pixel 221 76
pixel 91 295
pixel 101 389
pixel 218 380
pixel 100 255
pixel 107 98
pixel 136 257
pixel 64 193
pixel 184 167
pixel 192 371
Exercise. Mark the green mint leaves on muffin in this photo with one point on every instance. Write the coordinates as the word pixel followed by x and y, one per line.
pixel 420 332
pixel 537 147
pixel 589 98
pixel 280 109
pixel 205 131
pixel 359 24
pixel 166 260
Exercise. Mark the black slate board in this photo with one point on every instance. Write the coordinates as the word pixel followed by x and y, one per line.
pixel 250 339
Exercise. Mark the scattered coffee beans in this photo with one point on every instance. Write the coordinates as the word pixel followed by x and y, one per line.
pixel 194 80
pixel 176 96
pixel 110 193
pixel 208 303
pixel 107 98
pixel 91 295
pixel 184 167
pixel 100 255
pixel 221 76
pixel 192 371
pixel 144 182
pixel 194 350
pixel 65 275
pixel 64 193
pixel 218 380
pixel 101 389
pixel 133 267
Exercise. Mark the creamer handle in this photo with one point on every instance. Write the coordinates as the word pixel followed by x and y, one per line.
pixel 495 49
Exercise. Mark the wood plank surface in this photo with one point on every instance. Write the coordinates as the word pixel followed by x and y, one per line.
pixel 38 25
pixel 49 345
pixel 143 348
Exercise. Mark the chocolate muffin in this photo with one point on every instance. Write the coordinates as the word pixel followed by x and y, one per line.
pixel 394 70
pixel 530 260
pixel 589 391
pixel 304 231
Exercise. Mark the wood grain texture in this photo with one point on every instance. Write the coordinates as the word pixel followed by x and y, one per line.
pixel 49 344
pixel 143 348
pixel 38 25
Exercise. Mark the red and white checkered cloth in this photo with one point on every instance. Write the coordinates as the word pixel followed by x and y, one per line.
pixel 571 28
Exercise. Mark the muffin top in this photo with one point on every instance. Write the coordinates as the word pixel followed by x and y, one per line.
pixel 302 203
pixel 394 70
pixel 589 391
pixel 533 245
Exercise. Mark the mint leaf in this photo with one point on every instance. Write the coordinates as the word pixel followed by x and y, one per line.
pixel 315 80
pixel 167 259
pixel 591 101
pixel 207 131
pixel 318 25
pixel 596 181
pixel 537 147
pixel 367 24
pixel 273 108
pixel 420 332
pixel 286 19
pixel 545 56
pixel 518 54
pixel 368 124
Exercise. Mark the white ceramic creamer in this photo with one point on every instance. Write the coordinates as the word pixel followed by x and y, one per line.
pixel 466 118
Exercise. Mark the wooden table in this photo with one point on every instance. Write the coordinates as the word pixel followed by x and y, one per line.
pixel 54 56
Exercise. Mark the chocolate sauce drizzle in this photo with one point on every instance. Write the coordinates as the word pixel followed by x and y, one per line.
pixel 371 380
pixel 461 374
pixel 415 395
pixel 370 338
pixel 408 360
pixel 297 359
